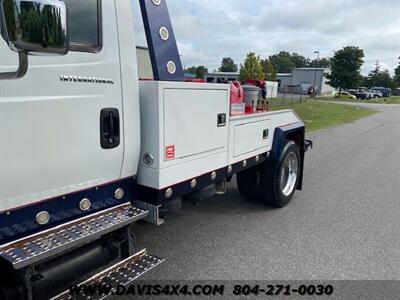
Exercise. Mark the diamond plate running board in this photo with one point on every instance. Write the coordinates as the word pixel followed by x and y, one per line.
pixel 121 274
pixel 48 243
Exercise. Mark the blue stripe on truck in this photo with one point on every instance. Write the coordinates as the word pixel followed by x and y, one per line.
pixel 161 51
pixel 18 223
pixel 281 134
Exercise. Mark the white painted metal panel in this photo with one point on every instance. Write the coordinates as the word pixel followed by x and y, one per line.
pixel 190 121
pixel 183 114
pixel 249 137
pixel 244 133
pixel 130 89
pixel 162 178
pixel 49 129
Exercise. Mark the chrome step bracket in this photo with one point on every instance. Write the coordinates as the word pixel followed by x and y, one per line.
pixel 46 244
pixel 154 212
pixel 121 274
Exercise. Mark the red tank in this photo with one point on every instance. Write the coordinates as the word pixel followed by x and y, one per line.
pixel 236 92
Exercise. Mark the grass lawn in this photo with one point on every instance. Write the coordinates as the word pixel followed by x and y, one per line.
pixel 319 115
pixel 389 100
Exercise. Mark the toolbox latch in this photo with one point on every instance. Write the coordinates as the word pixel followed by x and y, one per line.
pixel 265 134
pixel 221 120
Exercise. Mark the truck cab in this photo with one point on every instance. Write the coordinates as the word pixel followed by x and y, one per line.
pixel 72 123
pixel 87 149
pixel 57 117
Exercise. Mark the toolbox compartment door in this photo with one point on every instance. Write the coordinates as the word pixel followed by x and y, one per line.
pixel 252 136
pixel 192 123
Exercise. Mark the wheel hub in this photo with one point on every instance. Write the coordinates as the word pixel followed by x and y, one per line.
pixel 289 173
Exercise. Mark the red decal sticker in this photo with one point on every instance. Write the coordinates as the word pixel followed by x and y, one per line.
pixel 170 152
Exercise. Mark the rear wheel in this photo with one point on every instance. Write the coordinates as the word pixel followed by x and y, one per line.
pixel 281 180
pixel 248 183
pixel 273 183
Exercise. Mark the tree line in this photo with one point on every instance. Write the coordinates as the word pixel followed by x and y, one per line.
pixel 282 62
pixel 345 68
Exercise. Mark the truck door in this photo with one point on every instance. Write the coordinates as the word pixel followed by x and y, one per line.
pixel 60 125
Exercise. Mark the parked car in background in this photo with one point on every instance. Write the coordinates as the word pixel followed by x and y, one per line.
pixel 345 95
pixel 386 92
pixel 366 91
pixel 355 92
pixel 360 94
pixel 375 93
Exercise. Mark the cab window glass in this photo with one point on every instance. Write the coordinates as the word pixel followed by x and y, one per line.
pixel 84 25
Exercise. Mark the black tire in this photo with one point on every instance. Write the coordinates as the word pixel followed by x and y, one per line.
pixel 248 182
pixel 271 191
pixel 263 183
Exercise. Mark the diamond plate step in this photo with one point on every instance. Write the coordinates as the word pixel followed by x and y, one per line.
pixel 51 242
pixel 121 274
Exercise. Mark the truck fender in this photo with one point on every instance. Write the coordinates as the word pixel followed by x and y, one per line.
pixel 296 132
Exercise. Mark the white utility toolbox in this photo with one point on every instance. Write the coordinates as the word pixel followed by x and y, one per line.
pixel 187 131
pixel 249 135
pixel 88 149
pixel 184 122
pixel 252 134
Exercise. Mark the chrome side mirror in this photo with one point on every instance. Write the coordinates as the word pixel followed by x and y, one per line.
pixel 33 27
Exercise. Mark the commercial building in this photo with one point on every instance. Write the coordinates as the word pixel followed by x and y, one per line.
pixel 301 79
pixel 215 77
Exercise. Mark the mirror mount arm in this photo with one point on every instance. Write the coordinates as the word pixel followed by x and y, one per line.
pixel 22 68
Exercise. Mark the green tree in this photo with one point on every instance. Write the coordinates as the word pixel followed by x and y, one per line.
pixel 8 7
pixel 252 68
pixel 191 70
pixel 199 71
pixel 228 65
pixel 300 61
pixel 396 78
pixel 378 78
pixel 282 62
pixel 345 68
pixel 320 63
pixel 384 79
pixel 268 69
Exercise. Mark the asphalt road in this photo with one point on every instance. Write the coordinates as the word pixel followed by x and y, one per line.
pixel 345 224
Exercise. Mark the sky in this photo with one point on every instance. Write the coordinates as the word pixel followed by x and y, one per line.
pixel 208 30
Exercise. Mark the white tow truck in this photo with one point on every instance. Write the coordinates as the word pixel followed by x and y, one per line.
pixel 86 149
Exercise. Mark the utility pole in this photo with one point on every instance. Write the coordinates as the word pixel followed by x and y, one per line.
pixel 315 75
pixel 377 66
pixel 184 67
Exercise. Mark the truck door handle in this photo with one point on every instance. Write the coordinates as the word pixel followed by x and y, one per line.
pixel 109 128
